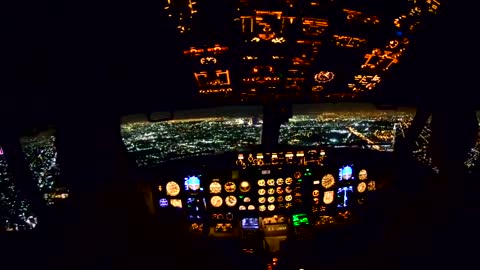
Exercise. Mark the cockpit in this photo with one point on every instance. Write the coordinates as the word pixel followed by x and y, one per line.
pixel 279 140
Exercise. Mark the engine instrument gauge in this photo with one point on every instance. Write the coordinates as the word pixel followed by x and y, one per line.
pixel 280 181
pixel 261 182
pixel 231 201
pixel 216 201
pixel 230 187
pixel 215 187
pixel 245 186
pixel 271 182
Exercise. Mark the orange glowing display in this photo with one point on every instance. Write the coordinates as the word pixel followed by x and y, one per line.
pixel 365 82
pixel 218 78
pixel 314 26
pixel 349 42
pixel 380 59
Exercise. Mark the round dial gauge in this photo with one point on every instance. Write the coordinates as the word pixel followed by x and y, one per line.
pixel 261 192
pixel 246 199
pixel 262 208
pixel 324 76
pixel 288 198
pixel 242 208
pixel 362 175
pixel 280 181
pixel 261 200
pixel 361 187
pixel 216 201
pixel 261 182
pixel 315 193
pixel 173 189
pixel 371 186
pixel 230 187
pixel 271 199
pixel 271 191
pixel 215 187
pixel 328 181
pixel 393 44
pixel 280 199
pixel 271 207
pixel 288 190
pixel 279 190
pixel 271 182
pixel 297 175
pixel 288 181
pixel 231 201
pixel 251 207
pixel 245 186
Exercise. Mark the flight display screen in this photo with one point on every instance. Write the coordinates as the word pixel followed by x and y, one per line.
pixel 345 173
pixel 192 183
pixel 300 219
pixel 250 223
pixel 344 196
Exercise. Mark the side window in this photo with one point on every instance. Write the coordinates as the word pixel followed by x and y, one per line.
pixel 473 159
pixel 41 155
pixel 15 212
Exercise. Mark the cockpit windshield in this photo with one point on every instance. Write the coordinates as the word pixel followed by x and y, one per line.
pixel 192 133
pixel 345 125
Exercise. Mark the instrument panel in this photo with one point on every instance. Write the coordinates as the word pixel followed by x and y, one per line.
pixel 260 185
